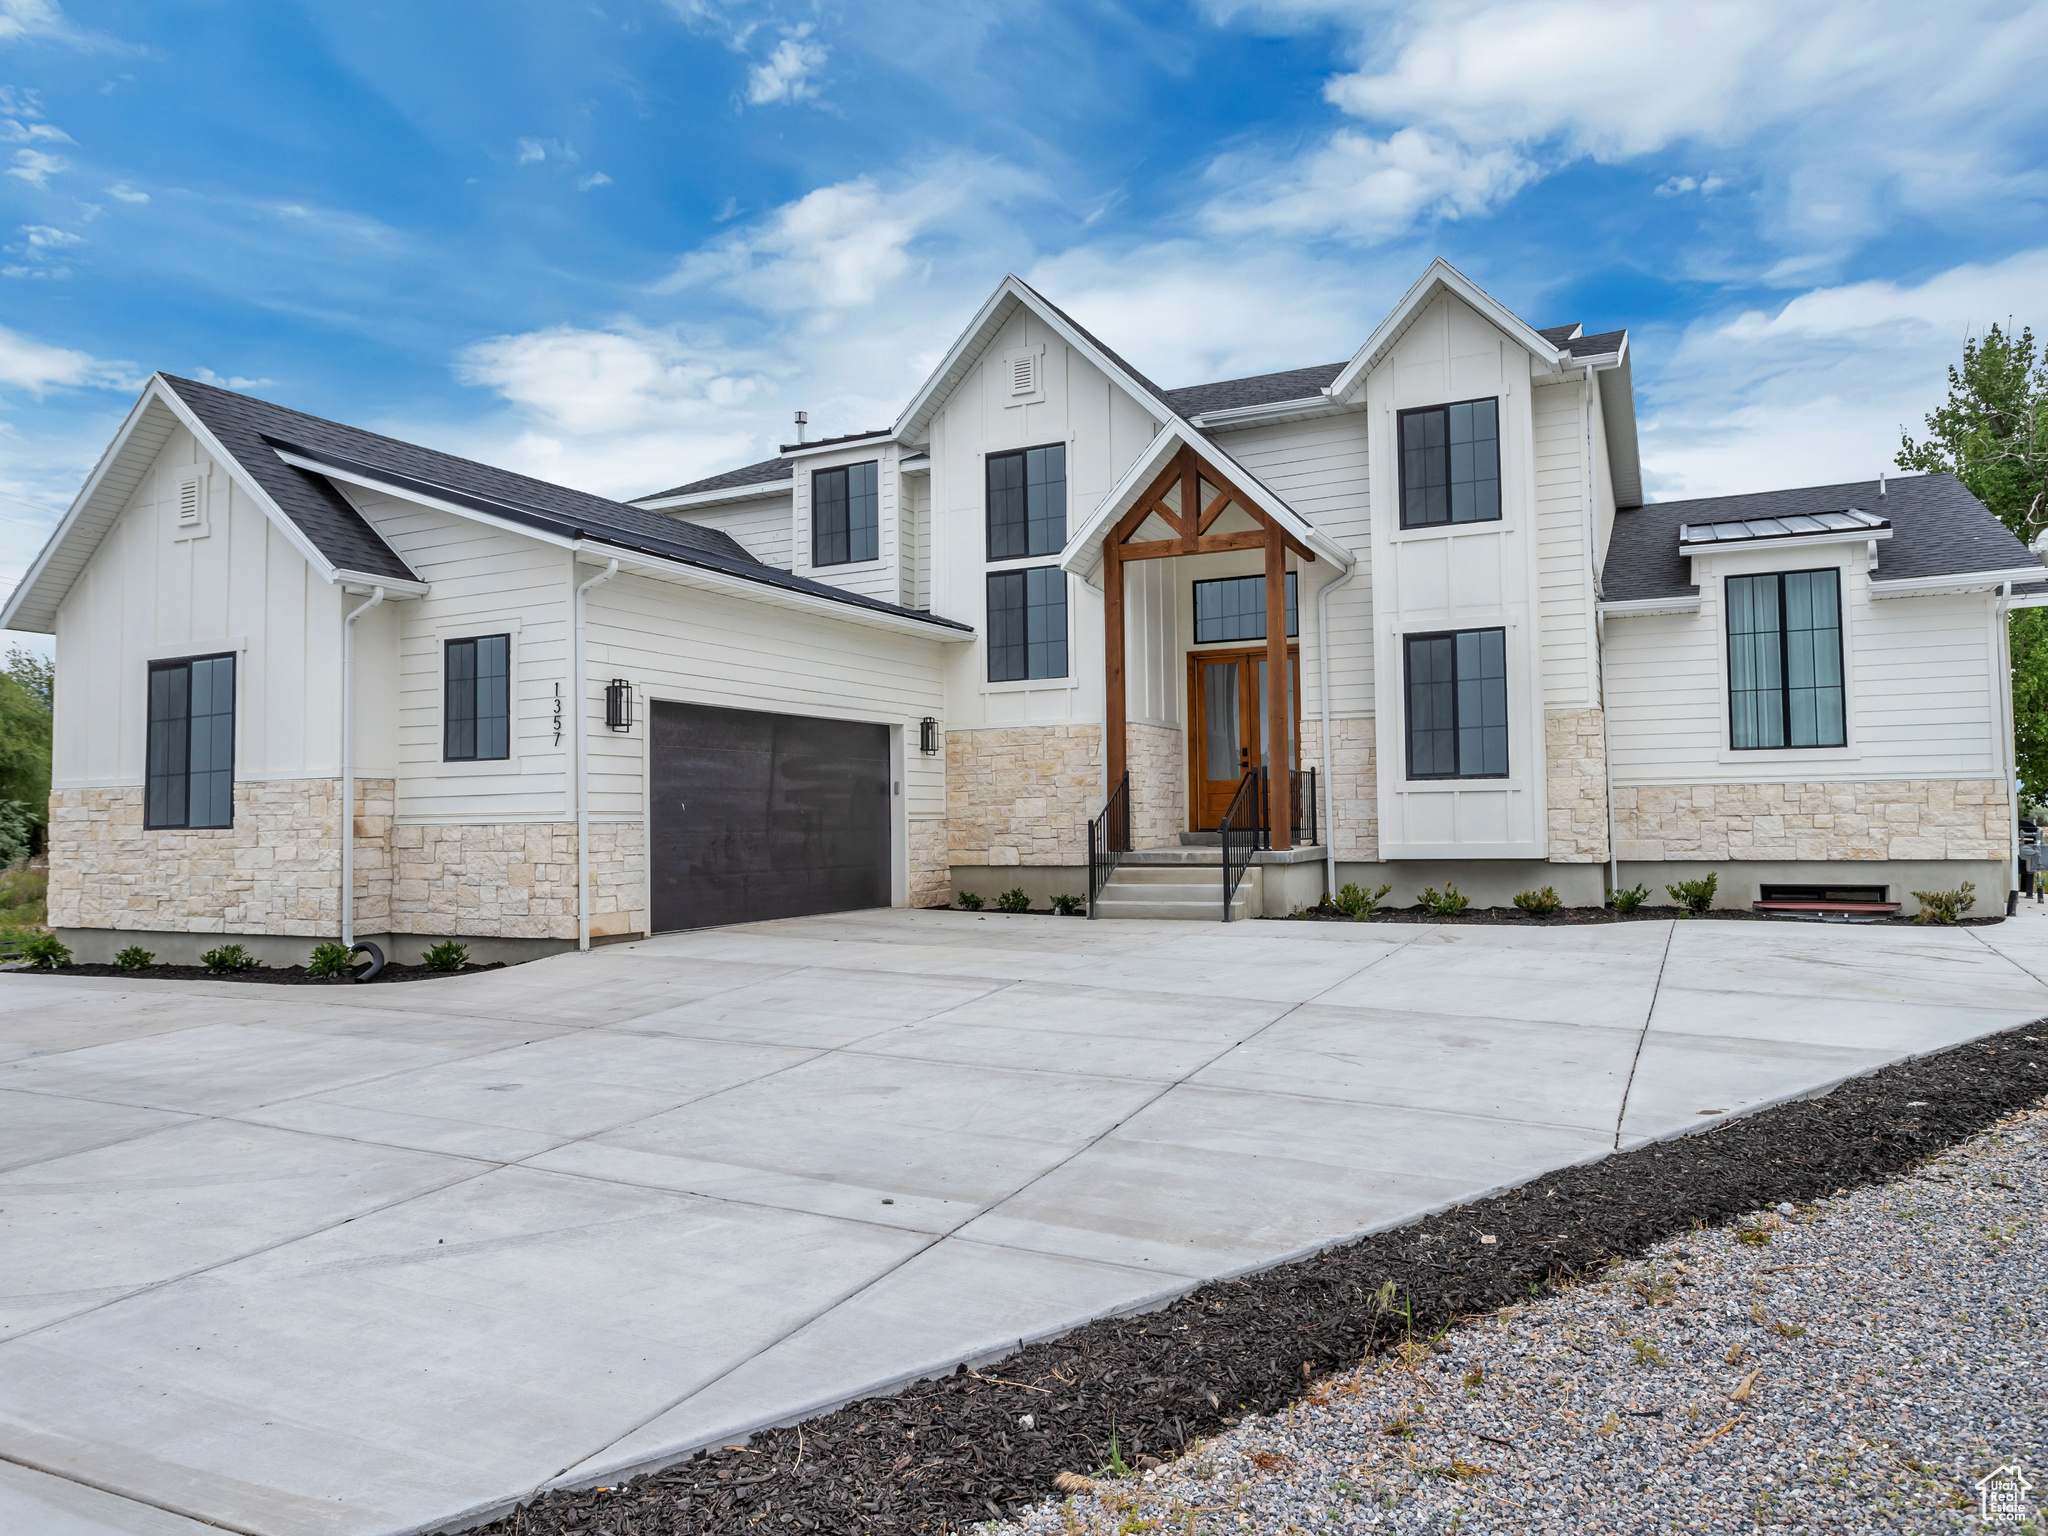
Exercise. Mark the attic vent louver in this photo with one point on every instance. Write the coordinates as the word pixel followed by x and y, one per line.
pixel 1024 375
pixel 188 503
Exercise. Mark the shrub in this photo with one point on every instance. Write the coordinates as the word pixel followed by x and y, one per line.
pixel 1357 904
pixel 330 959
pixel 1069 906
pixel 1695 895
pixel 46 952
pixel 1013 901
pixel 969 902
pixel 17 831
pixel 1539 903
pixel 1449 904
pixel 445 956
pixel 134 958
pixel 229 960
pixel 1630 899
pixel 1942 908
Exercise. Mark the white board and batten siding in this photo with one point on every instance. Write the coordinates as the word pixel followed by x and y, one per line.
pixel 882 577
pixel 1320 467
pixel 762 526
pixel 1104 430
pixel 1563 551
pixel 157 589
pixel 1458 577
pixel 1920 675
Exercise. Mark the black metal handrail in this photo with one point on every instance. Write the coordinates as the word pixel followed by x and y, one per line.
pixel 1242 833
pixel 1109 839
pixel 1304 788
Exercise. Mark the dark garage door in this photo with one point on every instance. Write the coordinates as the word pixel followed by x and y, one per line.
pixel 757 816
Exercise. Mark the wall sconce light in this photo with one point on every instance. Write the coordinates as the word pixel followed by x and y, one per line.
pixel 928 736
pixel 618 705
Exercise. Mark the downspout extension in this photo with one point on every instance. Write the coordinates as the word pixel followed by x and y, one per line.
pixel 348 766
pixel 1323 691
pixel 580 683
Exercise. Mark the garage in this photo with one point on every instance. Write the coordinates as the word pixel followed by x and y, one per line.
pixel 755 816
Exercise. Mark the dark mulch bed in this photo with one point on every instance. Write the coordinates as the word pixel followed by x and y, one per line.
pixel 269 975
pixel 947 1454
pixel 1565 916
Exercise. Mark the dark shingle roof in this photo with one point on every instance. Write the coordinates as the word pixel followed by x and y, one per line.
pixel 763 473
pixel 1595 346
pixel 254 430
pixel 1558 335
pixel 1938 529
pixel 1097 343
pixel 1260 389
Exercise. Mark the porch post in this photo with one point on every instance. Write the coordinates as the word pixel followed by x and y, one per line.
pixel 1113 660
pixel 1280 762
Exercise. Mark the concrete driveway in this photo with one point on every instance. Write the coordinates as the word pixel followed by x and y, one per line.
pixel 372 1260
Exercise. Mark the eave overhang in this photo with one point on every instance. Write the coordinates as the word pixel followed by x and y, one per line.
pixel 761 490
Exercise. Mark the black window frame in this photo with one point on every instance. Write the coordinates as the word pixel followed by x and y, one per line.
pixel 1293 608
pixel 451 720
pixel 1050 576
pixel 863 540
pixel 160 745
pixel 1409 516
pixel 1785 689
pixel 1408 712
pixel 1037 542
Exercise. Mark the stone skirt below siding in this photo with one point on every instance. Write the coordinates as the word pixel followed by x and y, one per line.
pixel 1575 760
pixel 1908 819
pixel 1351 809
pixel 1022 794
pixel 516 880
pixel 277 870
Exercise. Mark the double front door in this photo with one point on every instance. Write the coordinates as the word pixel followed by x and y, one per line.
pixel 1227 707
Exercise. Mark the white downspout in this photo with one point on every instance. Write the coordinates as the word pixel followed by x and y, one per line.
pixel 580 684
pixel 1600 641
pixel 2001 607
pixel 348 766
pixel 1329 784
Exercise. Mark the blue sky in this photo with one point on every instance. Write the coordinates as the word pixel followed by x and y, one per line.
pixel 616 244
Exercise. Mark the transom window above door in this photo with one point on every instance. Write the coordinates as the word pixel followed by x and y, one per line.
pixel 1785 661
pixel 1027 502
pixel 1450 464
pixel 846 523
pixel 1234 608
pixel 1458 705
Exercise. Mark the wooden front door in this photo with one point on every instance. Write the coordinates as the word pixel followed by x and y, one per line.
pixel 1227 708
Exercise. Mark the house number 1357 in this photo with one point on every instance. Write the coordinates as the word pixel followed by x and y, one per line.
pixel 558 714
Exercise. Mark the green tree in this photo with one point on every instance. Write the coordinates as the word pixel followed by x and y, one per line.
pixel 1992 434
pixel 25 734
pixel 38 674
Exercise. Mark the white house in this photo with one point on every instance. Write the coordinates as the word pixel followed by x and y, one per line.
pixel 894 666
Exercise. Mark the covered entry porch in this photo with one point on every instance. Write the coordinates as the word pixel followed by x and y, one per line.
pixel 1203 571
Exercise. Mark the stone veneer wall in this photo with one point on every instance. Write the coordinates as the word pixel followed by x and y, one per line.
pixel 1157 757
pixel 1022 794
pixel 931 876
pixel 516 880
pixel 1575 758
pixel 277 870
pixel 1354 784
pixel 1844 820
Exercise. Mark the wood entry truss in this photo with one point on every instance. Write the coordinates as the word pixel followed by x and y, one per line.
pixel 1190 521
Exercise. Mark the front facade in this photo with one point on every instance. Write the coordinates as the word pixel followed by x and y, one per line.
pixel 898 666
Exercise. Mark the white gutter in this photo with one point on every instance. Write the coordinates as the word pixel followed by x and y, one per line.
pixel 1650 607
pixel 760 490
pixel 1961 581
pixel 581 685
pixel 348 766
pixel 1329 785
pixel 1599 640
pixel 1300 407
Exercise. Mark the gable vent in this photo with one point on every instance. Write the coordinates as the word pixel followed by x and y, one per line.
pixel 188 503
pixel 1024 375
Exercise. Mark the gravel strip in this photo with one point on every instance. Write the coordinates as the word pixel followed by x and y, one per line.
pixel 1849 1365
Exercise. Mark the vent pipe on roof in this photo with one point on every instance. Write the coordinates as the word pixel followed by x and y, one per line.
pixel 803 419
pixel 1880 482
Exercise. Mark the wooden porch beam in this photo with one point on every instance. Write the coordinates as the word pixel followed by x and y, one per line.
pixel 1113 663
pixel 1207 544
pixel 1190 501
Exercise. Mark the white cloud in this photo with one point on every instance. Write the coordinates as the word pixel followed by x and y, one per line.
pixel 1679 186
pixel 230 381
pixel 23 19
pixel 42 237
pixel 14 131
pixel 787 74
pixel 1817 390
pixel 36 368
pixel 531 152
pixel 126 193
pixel 594 179
pixel 35 167
pixel 1360 187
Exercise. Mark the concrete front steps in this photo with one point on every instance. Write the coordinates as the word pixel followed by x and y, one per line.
pixel 1167 883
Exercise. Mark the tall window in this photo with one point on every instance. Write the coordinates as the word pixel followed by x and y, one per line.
pixel 1458 705
pixel 1450 464
pixel 191 744
pixel 1027 624
pixel 476 722
pixel 1234 608
pixel 1785 660
pixel 846 518
pixel 1027 502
